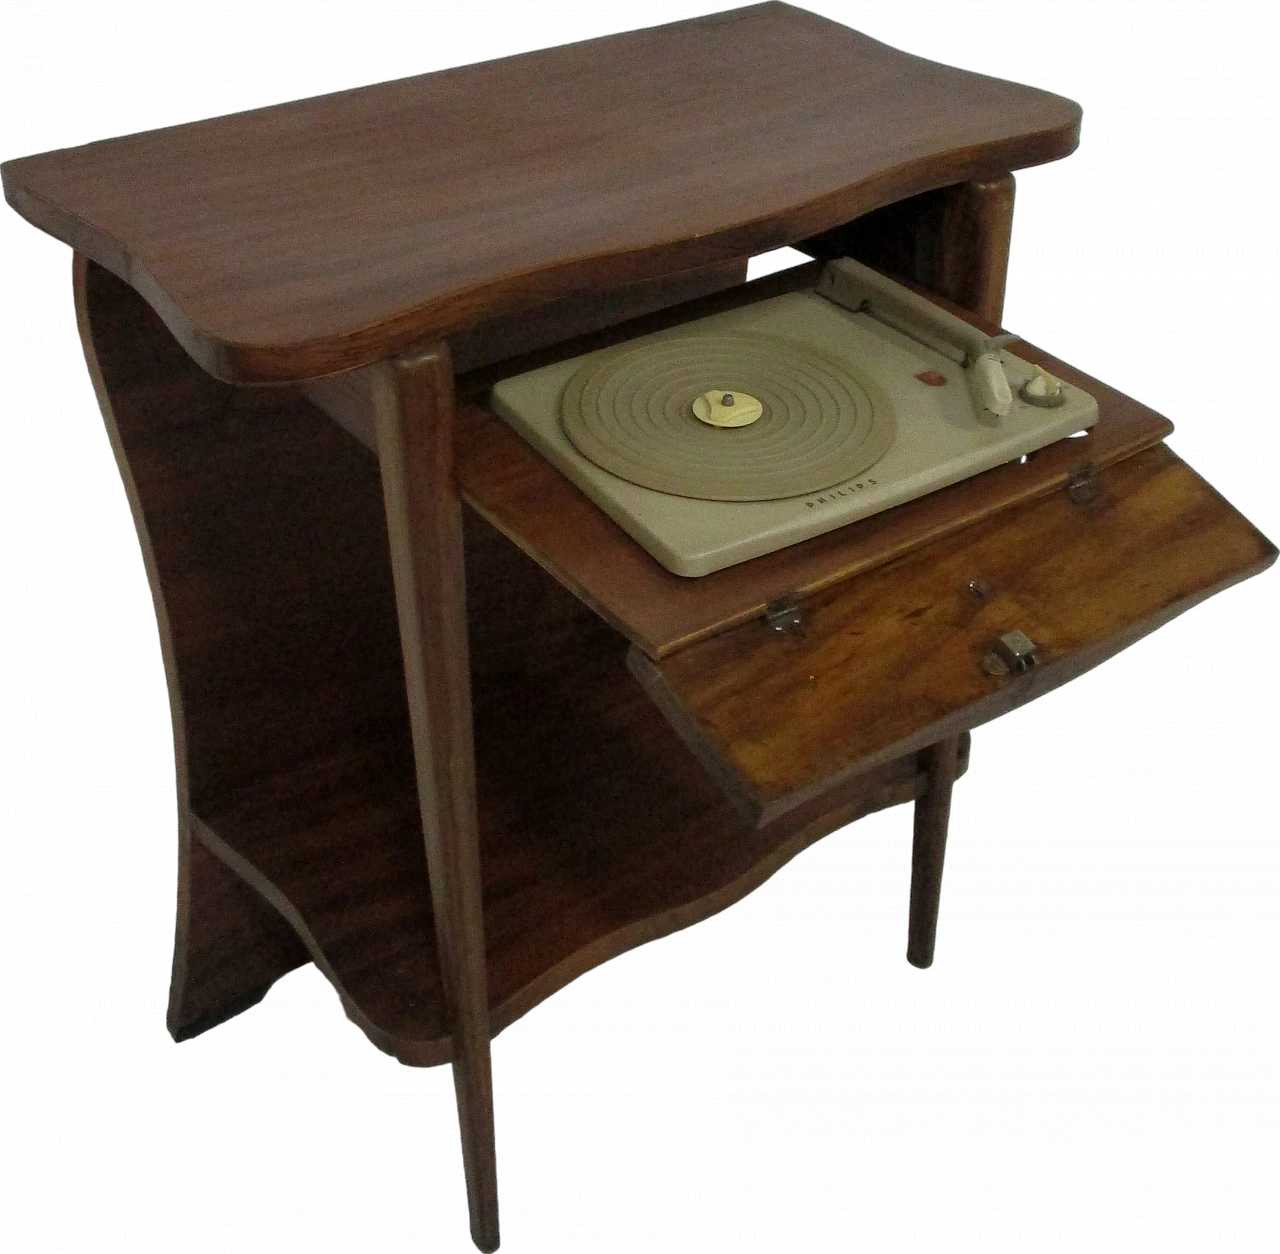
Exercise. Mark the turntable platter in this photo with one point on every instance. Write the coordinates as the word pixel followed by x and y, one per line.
pixel 631 412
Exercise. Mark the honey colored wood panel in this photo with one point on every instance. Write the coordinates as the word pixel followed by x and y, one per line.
pixel 891 662
pixel 323 235
pixel 530 501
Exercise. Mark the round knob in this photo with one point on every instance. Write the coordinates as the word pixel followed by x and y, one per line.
pixel 1042 389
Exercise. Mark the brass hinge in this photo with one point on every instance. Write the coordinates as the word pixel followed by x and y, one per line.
pixel 785 615
pixel 1082 485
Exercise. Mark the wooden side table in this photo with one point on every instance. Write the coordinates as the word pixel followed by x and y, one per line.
pixel 441 727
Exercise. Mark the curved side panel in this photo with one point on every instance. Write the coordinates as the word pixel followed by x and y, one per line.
pixel 222 498
pixel 229 945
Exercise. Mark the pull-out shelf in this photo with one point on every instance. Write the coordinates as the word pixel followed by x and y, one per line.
pixel 1083 547
pixel 543 513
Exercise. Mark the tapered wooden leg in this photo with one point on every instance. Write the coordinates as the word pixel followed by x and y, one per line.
pixel 974 234
pixel 412 401
pixel 954 241
pixel 929 849
pixel 473 1090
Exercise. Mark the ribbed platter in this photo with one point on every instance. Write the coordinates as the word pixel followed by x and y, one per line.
pixel 630 411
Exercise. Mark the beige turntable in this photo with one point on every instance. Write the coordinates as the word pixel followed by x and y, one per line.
pixel 740 433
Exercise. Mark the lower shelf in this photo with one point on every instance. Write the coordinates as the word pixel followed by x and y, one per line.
pixel 599 830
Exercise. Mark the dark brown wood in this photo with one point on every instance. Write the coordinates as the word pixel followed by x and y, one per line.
pixel 271 566
pixel 530 501
pixel 330 618
pixel 499 339
pixel 230 946
pixel 953 242
pixel 328 234
pixel 413 417
pixel 929 848
pixel 260 517
pixel 973 250
pixel 598 830
pixel 892 662
pixel 264 545
pixel 474 384
pixel 345 397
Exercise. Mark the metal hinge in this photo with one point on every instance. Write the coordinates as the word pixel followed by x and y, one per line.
pixel 1082 485
pixel 784 615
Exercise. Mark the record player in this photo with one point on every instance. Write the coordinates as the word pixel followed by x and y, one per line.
pixel 746 431
pixel 442 724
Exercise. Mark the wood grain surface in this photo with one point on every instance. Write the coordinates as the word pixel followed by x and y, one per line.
pixel 230 946
pixel 929 849
pixel 309 238
pixel 345 397
pixel 265 540
pixel 412 407
pixel 891 662
pixel 599 831
pixel 530 501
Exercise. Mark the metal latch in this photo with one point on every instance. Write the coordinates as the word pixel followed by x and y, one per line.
pixel 784 615
pixel 1013 654
pixel 1081 485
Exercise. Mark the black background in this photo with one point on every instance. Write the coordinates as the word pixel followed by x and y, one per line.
pixel 1106 880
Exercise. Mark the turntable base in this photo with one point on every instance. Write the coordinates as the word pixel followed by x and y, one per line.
pixel 858 416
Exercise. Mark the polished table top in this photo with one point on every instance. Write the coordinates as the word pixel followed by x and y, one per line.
pixel 325 234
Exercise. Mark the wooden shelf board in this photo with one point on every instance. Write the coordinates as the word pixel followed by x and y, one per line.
pixel 599 831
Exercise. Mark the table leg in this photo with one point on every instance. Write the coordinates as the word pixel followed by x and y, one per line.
pixel 953 241
pixel 412 401
pixel 929 848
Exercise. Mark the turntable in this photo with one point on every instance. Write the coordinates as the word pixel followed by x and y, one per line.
pixel 743 432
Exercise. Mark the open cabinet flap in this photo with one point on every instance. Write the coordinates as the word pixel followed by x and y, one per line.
pixel 952 634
